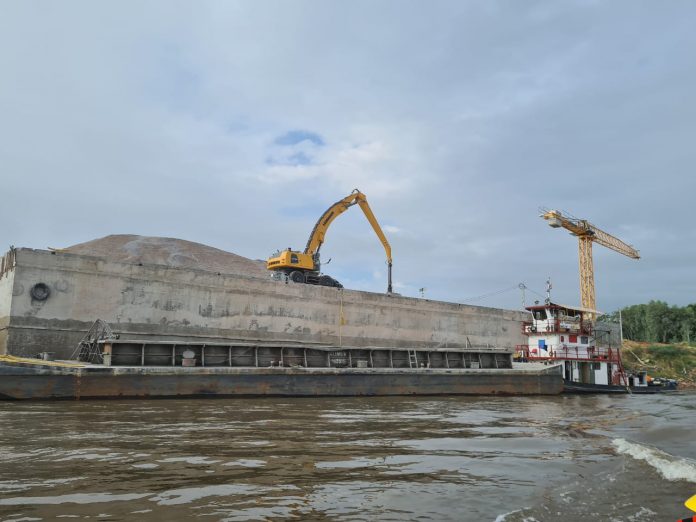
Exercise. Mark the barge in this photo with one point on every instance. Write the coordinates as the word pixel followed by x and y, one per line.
pixel 136 369
pixel 196 321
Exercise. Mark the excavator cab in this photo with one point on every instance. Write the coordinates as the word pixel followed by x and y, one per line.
pixel 291 260
pixel 298 267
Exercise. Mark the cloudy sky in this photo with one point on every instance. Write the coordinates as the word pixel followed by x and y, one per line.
pixel 235 124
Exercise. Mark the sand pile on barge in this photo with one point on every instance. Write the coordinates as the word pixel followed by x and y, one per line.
pixel 178 253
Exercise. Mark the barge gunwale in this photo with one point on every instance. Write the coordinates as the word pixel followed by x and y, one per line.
pixel 587 388
pixel 27 381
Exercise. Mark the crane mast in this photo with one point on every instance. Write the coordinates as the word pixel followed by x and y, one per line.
pixel 587 234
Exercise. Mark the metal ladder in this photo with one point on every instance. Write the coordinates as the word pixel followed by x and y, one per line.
pixel 412 359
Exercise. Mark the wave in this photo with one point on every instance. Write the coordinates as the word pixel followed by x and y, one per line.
pixel 503 517
pixel 669 466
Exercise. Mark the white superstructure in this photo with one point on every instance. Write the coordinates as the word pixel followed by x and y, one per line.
pixel 566 334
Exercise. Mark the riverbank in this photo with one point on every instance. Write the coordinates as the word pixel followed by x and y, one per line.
pixel 674 361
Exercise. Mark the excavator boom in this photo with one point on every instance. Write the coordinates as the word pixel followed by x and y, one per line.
pixel 316 238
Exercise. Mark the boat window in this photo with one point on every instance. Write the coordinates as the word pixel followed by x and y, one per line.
pixel 584 339
pixel 540 315
pixel 293 259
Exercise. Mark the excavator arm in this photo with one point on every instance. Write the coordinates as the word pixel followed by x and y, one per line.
pixel 316 238
pixel 378 230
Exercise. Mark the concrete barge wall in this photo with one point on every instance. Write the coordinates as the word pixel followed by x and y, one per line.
pixel 7 263
pixel 153 302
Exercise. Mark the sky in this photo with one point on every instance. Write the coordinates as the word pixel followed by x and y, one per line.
pixel 236 124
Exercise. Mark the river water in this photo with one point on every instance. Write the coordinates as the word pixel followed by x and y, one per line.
pixel 628 458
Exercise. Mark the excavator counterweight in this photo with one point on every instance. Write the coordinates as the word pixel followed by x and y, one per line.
pixel 305 267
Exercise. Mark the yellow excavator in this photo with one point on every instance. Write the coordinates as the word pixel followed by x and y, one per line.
pixel 304 267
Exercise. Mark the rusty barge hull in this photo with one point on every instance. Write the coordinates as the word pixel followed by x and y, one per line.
pixel 40 382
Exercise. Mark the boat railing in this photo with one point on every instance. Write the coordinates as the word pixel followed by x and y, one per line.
pixel 532 327
pixel 563 352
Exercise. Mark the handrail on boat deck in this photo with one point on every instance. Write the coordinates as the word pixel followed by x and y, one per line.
pixel 591 354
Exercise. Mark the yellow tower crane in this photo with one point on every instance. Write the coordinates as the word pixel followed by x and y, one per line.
pixel 587 234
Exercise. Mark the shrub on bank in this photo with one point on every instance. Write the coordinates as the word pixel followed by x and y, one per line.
pixel 674 361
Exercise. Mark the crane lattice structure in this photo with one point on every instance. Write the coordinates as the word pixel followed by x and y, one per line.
pixel 587 234
pixel 88 349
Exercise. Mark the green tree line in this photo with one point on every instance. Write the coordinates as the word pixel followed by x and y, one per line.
pixel 658 322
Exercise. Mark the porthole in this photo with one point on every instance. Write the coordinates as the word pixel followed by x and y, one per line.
pixel 40 291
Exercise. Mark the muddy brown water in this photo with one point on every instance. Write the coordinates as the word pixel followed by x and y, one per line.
pixel 457 458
